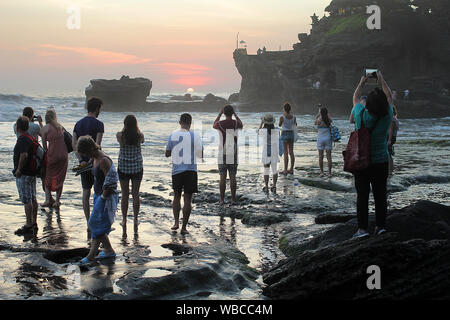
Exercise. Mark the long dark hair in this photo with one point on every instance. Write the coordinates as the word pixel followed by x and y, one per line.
pixel 325 117
pixel 287 107
pixel 377 103
pixel 130 132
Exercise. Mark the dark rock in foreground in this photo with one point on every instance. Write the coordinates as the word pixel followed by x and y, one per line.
pixel 333 218
pixel 263 218
pixel 414 258
pixel 201 270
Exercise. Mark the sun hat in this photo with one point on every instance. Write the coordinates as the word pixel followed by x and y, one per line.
pixel 268 119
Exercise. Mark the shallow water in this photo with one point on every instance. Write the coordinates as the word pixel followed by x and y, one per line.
pixel 421 172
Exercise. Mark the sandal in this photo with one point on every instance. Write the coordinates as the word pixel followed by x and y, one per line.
pixel 104 255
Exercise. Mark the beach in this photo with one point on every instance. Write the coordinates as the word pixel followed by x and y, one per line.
pixel 236 244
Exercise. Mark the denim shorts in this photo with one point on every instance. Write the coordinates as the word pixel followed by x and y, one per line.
pixel 26 186
pixel 287 136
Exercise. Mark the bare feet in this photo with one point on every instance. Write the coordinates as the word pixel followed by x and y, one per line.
pixel 184 231
pixel 56 204
pixel 175 227
pixel 48 204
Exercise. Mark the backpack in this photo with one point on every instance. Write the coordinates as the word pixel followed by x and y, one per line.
pixel 67 140
pixel 36 164
pixel 335 134
pixel 357 154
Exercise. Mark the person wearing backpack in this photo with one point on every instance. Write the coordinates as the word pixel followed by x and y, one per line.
pixel 376 115
pixel 25 175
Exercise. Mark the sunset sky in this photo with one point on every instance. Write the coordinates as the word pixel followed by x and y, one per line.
pixel 178 44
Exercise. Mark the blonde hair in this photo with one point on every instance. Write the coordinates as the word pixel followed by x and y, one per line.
pixel 51 118
pixel 86 145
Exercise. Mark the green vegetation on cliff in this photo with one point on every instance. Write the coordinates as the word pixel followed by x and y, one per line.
pixel 347 24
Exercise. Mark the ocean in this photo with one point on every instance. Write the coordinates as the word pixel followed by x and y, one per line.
pixel 422 171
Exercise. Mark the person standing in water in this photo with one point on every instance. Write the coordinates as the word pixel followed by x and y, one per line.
pixel 105 199
pixel 287 122
pixel 185 147
pixel 130 166
pixel 392 138
pixel 94 128
pixel 270 137
pixel 228 150
pixel 25 177
pixel 57 157
pixel 324 142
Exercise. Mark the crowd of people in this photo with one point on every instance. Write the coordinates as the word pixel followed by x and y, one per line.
pixel 185 149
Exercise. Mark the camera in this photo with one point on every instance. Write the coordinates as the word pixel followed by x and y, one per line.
pixel 372 77
pixel 35 118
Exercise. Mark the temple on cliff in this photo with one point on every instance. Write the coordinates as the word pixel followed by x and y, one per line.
pixel 412 49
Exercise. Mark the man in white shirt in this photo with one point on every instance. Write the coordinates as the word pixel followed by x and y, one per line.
pixel 185 147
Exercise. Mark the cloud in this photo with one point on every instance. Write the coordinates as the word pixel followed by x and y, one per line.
pixel 192 81
pixel 186 74
pixel 94 55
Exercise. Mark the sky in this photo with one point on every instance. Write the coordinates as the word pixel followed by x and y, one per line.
pixel 46 47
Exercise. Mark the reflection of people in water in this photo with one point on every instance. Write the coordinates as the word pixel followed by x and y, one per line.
pixel 223 232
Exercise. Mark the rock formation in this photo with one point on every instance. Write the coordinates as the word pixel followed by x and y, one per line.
pixel 412 49
pixel 414 258
pixel 119 94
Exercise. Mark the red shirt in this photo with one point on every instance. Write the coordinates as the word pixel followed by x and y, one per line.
pixel 225 125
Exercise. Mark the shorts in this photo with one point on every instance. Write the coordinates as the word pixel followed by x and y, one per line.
pixel 287 136
pixel 87 180
pixel 99 223
pixel 186 181
pixel 231 168
pixel 324 144
pixel 274 165
pixel 26 186
pixel 130 176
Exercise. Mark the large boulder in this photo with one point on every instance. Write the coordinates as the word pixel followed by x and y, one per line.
pixel 210 98
pixel 120 95
pixel 414 259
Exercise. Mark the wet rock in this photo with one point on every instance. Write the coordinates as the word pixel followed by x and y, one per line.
pixel 66 255
pixel 333 218
pixel 210 98
pixel 216 266
pixel 155 200
pixel 415 269
pixel 422 220
pixel 206 197
pixel 178 249
pixel 234 97
pixel 160 188
pixel 263 218
pixel 117 94
pixel 414 259
pixel 326 184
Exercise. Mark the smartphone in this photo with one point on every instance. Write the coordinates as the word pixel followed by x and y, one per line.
pixel 372 77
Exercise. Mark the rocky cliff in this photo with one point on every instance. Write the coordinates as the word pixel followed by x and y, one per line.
pixel 412 48
pixel 117 94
